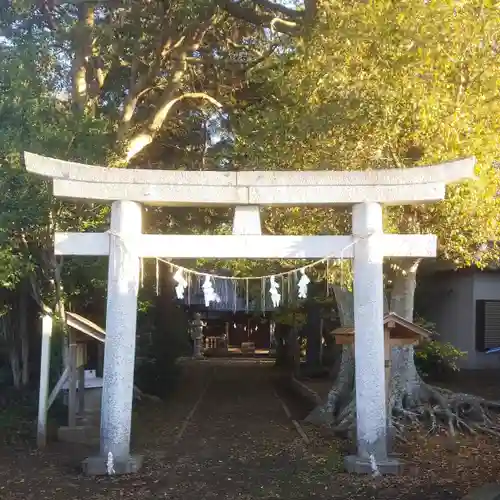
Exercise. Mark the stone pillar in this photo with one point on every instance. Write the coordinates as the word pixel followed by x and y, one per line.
pixel 371 421
pixel 197 336
pixel 246 220
pixel 119 353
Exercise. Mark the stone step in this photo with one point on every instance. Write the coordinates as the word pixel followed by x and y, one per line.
pixel 89 418
pixel 80 434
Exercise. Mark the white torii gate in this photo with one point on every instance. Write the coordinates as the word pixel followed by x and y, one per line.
pixel 127 189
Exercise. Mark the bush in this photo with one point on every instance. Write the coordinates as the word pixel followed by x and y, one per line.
pixel 436 360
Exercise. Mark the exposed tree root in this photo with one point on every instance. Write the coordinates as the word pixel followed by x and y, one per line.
pixel 436 410
pixel 412 402
pixel 326 414
pixel 139 395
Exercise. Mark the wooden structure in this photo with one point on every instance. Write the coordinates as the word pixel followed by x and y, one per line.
pixel 215 343
pixel 398 332
pixel 80 330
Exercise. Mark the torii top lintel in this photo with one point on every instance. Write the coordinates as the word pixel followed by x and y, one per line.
pixel 273 188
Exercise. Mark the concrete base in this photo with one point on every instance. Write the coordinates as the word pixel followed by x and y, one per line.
pixel 97 466
pixel 486 492
pixel 357 465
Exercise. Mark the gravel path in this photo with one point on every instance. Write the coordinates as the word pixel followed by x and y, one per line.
pixel 226 435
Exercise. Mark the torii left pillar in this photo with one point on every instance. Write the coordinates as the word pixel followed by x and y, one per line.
pixel 119 354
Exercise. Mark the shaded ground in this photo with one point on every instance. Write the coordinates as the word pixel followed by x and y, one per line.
pixel 240 444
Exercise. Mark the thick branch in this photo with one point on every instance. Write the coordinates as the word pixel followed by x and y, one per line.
pixel 144 138
pixel 167 48
pixel 274 7
pixel 403 291
pixel 188 43
pixel 259 19
pixel 82 43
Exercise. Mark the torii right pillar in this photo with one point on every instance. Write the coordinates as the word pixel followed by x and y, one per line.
pixel 368 254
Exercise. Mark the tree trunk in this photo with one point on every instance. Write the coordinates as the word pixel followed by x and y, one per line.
pixel 344 382
pixel 294 351
pixel 281 335
pixel 410 398
pixel 23 335
pixel 9 337
pixel 82 47
pixel 339 408
pixel 312 329
pixel 15 367
pixel 405 381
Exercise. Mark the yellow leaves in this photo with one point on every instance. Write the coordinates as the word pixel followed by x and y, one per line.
pixel 381 85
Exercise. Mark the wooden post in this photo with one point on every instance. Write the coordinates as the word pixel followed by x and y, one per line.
pixel 388 363
pixel 57 388
pixel 81 380
pixel 81 390
pixel 81 361
pixel 73 378
pixel 44 382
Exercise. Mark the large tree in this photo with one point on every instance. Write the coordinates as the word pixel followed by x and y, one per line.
pixel 119 83
pixel 158 71
pixel 385 84
pixel 34 115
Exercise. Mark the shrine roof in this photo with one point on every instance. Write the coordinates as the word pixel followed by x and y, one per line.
pixel 85 326
pixel 398 326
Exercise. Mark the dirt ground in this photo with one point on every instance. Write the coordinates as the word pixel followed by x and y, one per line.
pixel 240 444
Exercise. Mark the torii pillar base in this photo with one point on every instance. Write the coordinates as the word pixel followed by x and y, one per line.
pixel 98 466
pixel 357 465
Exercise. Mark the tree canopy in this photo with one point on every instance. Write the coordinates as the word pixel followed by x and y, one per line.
pixel 321 85
pixel 391 85
pixel 157 72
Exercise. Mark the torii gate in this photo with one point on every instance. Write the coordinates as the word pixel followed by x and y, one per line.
pixel 125 244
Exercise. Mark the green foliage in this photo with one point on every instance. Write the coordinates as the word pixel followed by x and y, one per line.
pixel 435 359
pixel 35 116
pixel 383 85
pixel 56 351
pixel 290 317
pixel 12 268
